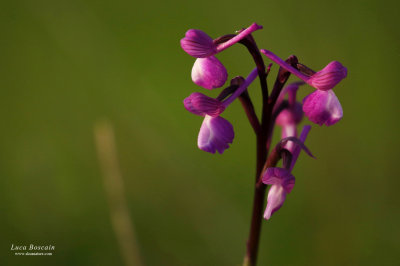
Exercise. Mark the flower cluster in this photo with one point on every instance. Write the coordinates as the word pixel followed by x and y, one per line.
pixel 216 133
pixel 280 108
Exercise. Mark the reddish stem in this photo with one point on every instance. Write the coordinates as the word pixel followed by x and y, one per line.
pixel 263 143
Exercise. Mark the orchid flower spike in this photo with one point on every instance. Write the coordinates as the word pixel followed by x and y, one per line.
pixel 209 73
pixel 323 107
pixel 216 133
pixel 282 183
pixel 198 44
pixel 200 104
pixel 325 79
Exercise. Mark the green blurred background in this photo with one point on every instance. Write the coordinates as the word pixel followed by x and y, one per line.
pixel 67 64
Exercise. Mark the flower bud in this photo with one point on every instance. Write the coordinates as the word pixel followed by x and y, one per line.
pixel 209 73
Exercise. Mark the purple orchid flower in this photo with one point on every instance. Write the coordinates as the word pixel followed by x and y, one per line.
pixel 282 183
pixel 198 44
pixel 216 133
pixel 281 180
pixel 322 106
pixel 209 73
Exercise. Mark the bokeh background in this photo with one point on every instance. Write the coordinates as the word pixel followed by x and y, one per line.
pixel 67 64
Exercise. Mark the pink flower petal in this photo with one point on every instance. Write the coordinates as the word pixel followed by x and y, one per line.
pixel 198 44
pixel 328 77
pixel 200 104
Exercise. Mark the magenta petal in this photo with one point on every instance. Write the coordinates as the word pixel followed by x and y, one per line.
pixel 209 73
pixel 275 200
pixel 322 107
pixel 200 104
pixel 198 44
pixel 279 176
pixel 329 76
pixel 215 134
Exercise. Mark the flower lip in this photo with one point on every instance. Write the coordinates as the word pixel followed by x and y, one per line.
pixel 276 198
pixel 209 73
pixel 323 107
pixel 216 133
pixel 282 183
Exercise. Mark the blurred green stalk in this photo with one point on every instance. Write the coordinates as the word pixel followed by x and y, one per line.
pixel 114 188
